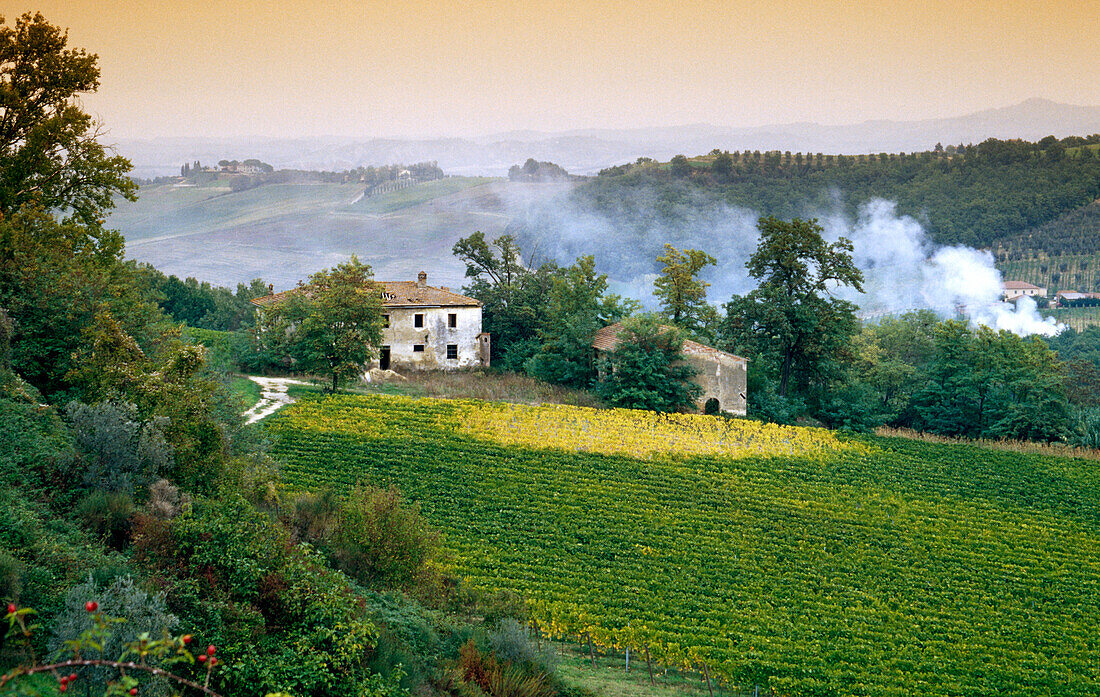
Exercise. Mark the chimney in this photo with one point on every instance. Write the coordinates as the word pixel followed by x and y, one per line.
pixel 422 279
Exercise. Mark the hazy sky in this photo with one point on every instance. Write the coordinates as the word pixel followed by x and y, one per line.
pixel 448 67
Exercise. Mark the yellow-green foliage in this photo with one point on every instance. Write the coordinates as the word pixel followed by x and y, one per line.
pixel 631 432
pixel 815 565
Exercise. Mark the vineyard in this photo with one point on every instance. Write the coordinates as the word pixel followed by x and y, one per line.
pixel 787 557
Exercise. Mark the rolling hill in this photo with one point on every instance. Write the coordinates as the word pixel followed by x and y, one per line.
pixel 284 232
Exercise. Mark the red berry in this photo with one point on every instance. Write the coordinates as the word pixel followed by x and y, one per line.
pixel 133 690
pixel 63 679
pixel 202 658
pixel 91 606
pixel 211 649
pixel 213 661
pixel 187 638
pixel 72 676
pixel 12 608
pixel 62 687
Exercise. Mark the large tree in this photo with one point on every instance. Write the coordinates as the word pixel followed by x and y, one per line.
pixel 577 306
pixel 683 295
pixel 333 324
pixel 513 297
pixel 792 321
pixel 646 370
pixel 50 155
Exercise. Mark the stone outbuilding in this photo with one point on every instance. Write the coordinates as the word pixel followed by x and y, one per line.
pixel 723 376
pixel 424 327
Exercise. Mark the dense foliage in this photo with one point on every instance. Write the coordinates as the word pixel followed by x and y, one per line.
pixel 866 567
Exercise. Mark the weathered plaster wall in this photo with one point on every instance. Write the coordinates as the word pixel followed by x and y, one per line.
pixel 435 335
pixel 722 378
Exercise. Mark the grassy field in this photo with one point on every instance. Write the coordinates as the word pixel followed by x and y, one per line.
pixel 283 232
pixel 415 195
pixel 247 391
pixel 789 558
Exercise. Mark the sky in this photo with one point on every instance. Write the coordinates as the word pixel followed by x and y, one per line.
pixel 431 68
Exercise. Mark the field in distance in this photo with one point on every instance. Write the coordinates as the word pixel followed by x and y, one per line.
pixel 788 557
pixel 284 232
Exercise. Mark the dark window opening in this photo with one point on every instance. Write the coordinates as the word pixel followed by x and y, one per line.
pixel 712 407
pixel 385 321
pixel 384 358
pixel 452 320
pixel 418 321
pixel 418 348
pixel 452 351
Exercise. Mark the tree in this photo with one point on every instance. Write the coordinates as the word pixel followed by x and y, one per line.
pixel 513 297
pixel 791 319
pixel 49 152
pixel 683 296
pixel 333 323
pixel 645 371
pixel 680 167
pixel 577 307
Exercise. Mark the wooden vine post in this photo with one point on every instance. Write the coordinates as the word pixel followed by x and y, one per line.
pixel 650 664
pixel 706 674
pixel 591 651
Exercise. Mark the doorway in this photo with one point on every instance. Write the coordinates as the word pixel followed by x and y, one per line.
pixel 384 358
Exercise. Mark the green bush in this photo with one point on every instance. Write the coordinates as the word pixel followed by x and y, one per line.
pixel 382 542
pixel 143 612
pixel 121 451
pixel 282 619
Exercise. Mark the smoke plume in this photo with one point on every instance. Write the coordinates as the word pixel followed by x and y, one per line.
pixel 903 269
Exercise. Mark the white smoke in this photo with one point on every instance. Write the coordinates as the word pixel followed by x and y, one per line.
pixel 905 271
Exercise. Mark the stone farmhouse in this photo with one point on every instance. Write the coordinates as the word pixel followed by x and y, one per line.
pixel 1011 290
pixel 424 327
pixel 723 376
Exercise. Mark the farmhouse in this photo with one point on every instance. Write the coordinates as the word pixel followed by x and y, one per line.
pixel 723 376
pixel 1016 289
pixel 425 327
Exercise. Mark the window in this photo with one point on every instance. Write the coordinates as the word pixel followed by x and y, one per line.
pixel 418 321
pixel 385 321
pixel 452 320
pixel 418 348
pixel 452 351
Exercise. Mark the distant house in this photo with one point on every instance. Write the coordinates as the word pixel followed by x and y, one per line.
pixel 424 327
pixel 723 376
pixel 1016 289
pixel 1071 297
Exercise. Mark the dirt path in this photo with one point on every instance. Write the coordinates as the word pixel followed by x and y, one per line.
pixel 273 397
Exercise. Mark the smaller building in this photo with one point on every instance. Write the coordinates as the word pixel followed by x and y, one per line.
pixel 1073 298
pixel 1011 290
pixel 723 376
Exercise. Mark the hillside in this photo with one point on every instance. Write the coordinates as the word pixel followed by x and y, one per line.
pixel 284 232
pixel 786 557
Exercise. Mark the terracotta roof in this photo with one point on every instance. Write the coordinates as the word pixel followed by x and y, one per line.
pixel 394 294
pixel 1019 285
pixel 607 339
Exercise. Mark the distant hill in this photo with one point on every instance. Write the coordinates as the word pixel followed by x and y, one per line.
pixel 284 232
pixel 586 151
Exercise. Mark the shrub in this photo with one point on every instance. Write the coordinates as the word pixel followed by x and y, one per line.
pixel 143 612
pixel 121 451
pixel 511 642
pixel 107 514
pixel 381 542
